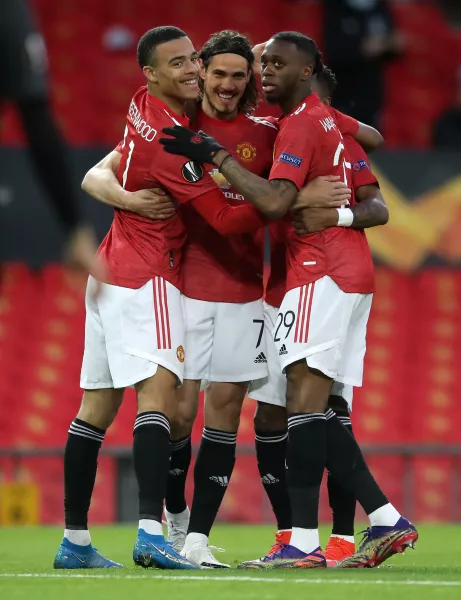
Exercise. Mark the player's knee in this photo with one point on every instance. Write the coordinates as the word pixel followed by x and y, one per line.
pixel 99 407
pixel 223 405
pixel 187 406
pixel 269 417
pixel 339 405
pixel 158 393
pixel 307 389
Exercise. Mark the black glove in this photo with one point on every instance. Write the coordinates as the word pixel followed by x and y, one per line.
pixel 199 147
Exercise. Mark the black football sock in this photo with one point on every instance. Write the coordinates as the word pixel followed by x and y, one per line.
pixel 306 457
pixel 270 454
pixel 212 473
pixel 80 465
pixel 181 453
pixel 342 501
pixel 151 458
pixel 346 464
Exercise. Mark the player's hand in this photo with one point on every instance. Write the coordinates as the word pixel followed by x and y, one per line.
pixel 153 204
pixel 323 192
pixel 313 220
pixel 81 253
pixel 257 52
pixel 199 147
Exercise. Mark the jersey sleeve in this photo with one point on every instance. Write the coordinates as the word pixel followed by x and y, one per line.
pixel 293 150
pixel 184 179
pixel 226 219
pixel 119 147
pixel 360 165
pixel 346 125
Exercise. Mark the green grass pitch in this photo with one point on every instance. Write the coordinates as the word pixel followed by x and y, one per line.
pixel 433 570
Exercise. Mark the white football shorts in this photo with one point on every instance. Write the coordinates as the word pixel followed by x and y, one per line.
pixel 325 326
pixel 224 341
pixel 128 333
pixel 272 389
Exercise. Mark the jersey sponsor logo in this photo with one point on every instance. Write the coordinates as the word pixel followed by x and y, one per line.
pixel 360 164
pixel 283 350
pixel 180 354
pixel 219 179
pixel 145 131
pixel 328 124
pixel 192 171
pixel 290 159
pixel 246 151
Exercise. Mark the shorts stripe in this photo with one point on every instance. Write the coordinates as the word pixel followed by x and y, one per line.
pixel 167 315
pixel 300 313
pixel 162 318
pixel 156 311
pixel 309 309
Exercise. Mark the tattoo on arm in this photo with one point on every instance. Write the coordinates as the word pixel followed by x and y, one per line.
pixel 272 198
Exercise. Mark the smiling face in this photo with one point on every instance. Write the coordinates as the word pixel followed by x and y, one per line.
pixel 283 69
pixel 224 82
pixel 174 70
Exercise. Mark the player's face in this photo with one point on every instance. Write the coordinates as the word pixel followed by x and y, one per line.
pixel 175 69
pixel 283 69
pixel 225 81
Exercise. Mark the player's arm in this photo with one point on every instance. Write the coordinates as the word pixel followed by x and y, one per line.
pixel 368 137
pixel 227 220
pixel 273 198
pixel 371 209
pixel 102 184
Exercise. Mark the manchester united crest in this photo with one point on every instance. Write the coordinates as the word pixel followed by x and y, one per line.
pixel 180 354
pixel 246 151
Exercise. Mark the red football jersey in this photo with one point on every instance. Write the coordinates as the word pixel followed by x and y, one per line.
pixel 227 269
pixel 300 158
pixel 358 250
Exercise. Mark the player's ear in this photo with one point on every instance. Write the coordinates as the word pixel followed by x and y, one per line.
pixel 307 72
pixel 150 74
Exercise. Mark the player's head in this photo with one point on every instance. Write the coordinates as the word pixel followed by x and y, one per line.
pixel 170 63
pixel 288 63
pixel 227 80
pixel 324 85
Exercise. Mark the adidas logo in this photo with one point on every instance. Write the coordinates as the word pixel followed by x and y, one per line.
pixel 283 350
pixel 223 481
pixel 176 472
pixel 261 358
pixel 268 479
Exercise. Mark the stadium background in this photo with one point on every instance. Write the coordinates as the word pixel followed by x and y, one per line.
pixel 407 415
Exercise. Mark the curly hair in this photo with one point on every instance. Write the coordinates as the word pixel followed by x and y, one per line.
pixel 232 42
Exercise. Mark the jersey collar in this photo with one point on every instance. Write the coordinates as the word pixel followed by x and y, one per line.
pixel 177 119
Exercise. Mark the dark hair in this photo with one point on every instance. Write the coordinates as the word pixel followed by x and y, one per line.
pixel 232 42
pixel 304 44
pixel 153 38
pixel 327 79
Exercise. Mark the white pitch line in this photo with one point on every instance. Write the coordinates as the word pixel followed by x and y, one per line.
pixel 244 578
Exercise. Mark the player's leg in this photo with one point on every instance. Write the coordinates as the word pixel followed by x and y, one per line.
pixel 144 333
pixel 239 355
pixel 86 433
pixel 199 319
pixel 389 532
pixel 271 433
pixel 342 502
pixel 177 512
